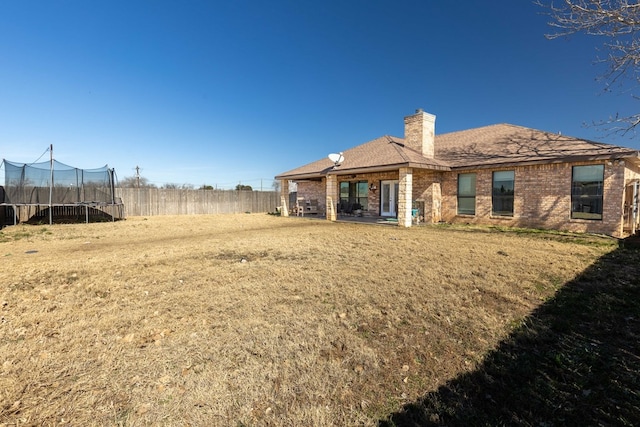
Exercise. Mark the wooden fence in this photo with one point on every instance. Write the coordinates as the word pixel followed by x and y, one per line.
pixel 157 201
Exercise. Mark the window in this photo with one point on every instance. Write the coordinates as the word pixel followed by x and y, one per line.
pixel 467 194
pixel 354 195
pixel 586 191
pixel 502 199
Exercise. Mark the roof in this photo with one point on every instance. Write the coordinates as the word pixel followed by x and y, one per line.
pixel 384 153
pixel 506 144
pixel 483 147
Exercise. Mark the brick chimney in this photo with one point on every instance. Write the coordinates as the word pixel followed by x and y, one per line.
pixel 419 133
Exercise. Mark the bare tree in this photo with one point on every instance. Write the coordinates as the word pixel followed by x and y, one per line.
pixel 618 23
pixel 134 182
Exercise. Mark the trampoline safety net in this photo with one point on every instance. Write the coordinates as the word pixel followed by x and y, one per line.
pixel 33 184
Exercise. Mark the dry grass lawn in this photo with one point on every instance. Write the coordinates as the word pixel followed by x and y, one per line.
pixel 256 320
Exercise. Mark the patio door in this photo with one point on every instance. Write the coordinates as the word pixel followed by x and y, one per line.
pixel 389 198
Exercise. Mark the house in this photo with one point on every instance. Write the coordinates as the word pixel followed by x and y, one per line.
pixel 502 174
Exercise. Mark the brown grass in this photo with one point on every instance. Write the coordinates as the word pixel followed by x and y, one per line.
pixel 255 319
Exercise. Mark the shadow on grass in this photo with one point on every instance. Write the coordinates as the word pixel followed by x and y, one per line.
pixel 574 361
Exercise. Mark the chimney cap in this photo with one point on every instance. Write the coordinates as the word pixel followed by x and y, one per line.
pixel 419 110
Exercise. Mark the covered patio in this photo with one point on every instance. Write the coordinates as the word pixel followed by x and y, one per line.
pixel 388 180
pixel 302 211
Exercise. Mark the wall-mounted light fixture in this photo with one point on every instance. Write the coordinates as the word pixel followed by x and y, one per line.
pixel 373 187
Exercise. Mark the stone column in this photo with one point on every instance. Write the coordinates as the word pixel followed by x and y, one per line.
pixel 332 197
pixel 284 197
pixel 405 192
pixel 436 207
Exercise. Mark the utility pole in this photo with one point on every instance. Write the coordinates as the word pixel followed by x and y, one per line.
pixel 138 176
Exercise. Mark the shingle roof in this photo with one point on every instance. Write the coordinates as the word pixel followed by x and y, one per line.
pixel 495 145
pixel 384 153
pixel 511 144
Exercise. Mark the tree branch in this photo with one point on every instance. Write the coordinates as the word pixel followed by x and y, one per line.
pixel 616 21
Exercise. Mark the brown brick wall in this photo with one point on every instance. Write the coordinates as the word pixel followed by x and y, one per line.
pixel 542 196
pixel 427 189
pixel 542 199
pixel 313 190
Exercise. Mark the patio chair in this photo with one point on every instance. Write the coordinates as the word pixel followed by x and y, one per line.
pixel 348 208
pixel 301 205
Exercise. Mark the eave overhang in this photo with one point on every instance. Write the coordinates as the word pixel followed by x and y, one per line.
pixel 337 170
pixel 629 155
pixel 386 168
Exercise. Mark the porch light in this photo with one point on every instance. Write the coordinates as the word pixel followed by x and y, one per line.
pixel 373 187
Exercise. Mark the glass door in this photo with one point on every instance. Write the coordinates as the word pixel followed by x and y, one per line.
pixel 389 198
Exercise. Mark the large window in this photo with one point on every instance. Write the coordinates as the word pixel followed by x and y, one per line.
pixel 502 198
pixel 354 195
pixel 586 191
pixel 467 194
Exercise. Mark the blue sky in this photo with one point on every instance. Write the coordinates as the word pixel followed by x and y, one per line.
pixel 223 92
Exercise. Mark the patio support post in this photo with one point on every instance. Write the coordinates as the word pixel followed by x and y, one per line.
pixel 284 197
pixel 436 208
pixel 405 192
pixel 332 197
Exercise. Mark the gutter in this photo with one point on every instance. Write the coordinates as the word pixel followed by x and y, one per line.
pixel 634 156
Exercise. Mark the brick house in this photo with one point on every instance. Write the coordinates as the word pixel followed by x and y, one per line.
pixel 497 175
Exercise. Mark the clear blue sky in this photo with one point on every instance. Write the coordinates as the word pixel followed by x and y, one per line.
pixel 222 92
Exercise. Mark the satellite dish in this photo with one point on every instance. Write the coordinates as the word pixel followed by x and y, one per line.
pixel 336 158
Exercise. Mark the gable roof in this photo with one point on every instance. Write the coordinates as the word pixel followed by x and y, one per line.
pixel 483 147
